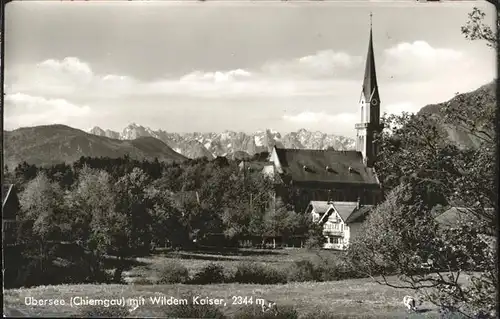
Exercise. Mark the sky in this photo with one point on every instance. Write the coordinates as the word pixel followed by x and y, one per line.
pixel 242 66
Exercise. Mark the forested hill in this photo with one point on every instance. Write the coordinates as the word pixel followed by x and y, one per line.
pixel 52 144
pixel 465 104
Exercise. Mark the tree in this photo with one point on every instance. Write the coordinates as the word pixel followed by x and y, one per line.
pixel 245 202
pixel 474 181
pixel 43 217
pixel 43 203
pixel 92 201
pixel 417 147
pixel 165 225
pixel 280 222
pixel 314 235
pixel 422 170
pixel 133 209
pixel 476 29
pixel 401 236
pixel 25 172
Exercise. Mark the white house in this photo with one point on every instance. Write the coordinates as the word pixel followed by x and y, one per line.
pixel 341 221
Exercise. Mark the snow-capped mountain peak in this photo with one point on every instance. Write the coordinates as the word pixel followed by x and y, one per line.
pixel 230 143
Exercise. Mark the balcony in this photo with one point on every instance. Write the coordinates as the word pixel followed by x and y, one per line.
pixel 333 232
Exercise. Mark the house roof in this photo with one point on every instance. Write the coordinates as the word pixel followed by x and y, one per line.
pixel 345 209
pixel 455 216
pixel 320 207
pixel 348 211
pixel 325 166
pixel 359 214
pixel 6 191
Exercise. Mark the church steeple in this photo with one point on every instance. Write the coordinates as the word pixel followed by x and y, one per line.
pixel 370 87
pixel 369 125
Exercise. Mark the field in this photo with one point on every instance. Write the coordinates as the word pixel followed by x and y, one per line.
pixel 145 268
pixel 354 298
pixel 349 298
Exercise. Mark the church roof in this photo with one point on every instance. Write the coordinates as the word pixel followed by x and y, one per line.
pixel 370 87
pixel 325 166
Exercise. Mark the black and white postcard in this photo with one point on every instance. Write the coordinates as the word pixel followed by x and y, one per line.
pixel 249 159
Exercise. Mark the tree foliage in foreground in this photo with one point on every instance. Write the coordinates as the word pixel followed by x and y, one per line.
pixel 477 29
pixel 424 173
pixel 453 268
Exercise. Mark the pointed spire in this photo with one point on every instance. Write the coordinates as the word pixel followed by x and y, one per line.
pixel 370 87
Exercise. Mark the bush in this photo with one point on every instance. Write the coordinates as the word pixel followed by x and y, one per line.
pixel 37 271
pixel 253 273
pixel 173 272
pixel 210 274
pixel 303 270
pixel 103 312
pixel 143 281
pixel 257 312
pixel 324 270
pixel 332 270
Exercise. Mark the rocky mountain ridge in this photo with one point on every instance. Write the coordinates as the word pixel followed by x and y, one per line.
pixel 229 143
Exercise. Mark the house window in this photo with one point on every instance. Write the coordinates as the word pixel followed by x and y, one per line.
pixel 335 240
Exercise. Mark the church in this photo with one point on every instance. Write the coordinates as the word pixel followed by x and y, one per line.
pixel 305 175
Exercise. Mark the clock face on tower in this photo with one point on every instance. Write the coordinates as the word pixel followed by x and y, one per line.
pixel 374 102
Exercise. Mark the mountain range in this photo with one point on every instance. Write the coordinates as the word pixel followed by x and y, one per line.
pixel 231 144
pixel 51 144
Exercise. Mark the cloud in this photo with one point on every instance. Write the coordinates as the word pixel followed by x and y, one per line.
pixel 26 110
pixel 72 79
pixel 218 76
pixel 71 65
pixel 420 61
pixel 422 50
pixel 67 78
pixel 318 117
pixel 326 63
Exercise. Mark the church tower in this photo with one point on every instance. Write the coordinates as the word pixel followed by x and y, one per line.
pixel 369 126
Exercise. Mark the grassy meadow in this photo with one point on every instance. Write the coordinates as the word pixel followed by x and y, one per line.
pixel 194 261
pixel 354 298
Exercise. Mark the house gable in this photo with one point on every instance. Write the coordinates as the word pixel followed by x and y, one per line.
pixel 10 202
pixel 317 209
pixel 331 215
pixel 348 212
pixel 274 158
